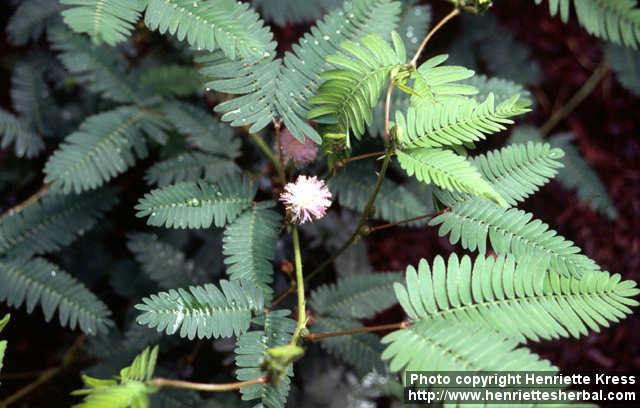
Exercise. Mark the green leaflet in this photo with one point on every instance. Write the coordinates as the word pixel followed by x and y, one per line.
pixel 3 344
pixel 197 205
pixel 511 231
pixel 228 25
pixel 37 281
pixel 614 20
pixel 191 166
pixel 30 19
pixel 203 311
pixel 249 246
pixel 448 170
pixel 519 299
pixel 443 346
pixel 52 222
pixel 434 83
pixel 626 64
pixel 277 329
pixel 105 21
pixel 27 143
pixel 130 389
pixel 350 92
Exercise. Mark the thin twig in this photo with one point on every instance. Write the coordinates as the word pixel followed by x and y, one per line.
pixel 586 89
pixel 29 200
pixel 431 33
pixel 264 148
pixel 407 221
pixel 167 382
pixel 356 330
pixel 344 162
pixel 277 125
pixel 291 289
pixel 46 375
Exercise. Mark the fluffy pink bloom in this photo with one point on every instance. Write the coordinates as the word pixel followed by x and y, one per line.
pixel 300 153
pixel 307 199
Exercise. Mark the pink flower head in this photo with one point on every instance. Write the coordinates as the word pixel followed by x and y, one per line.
pixel 301 153
pixel 307 199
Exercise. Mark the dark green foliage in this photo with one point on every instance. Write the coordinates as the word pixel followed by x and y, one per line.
pixel 197 205
pixel 357 296
pixel 626 64
pixel 284 12
pixel 165 264
pixel 16 131
pixel 52 223
pixel 203 311
pixel 190 167
pixel 249 246
pixel 354 183
pixel 30 20
pixel 361 351
pixel 39 282
pixel 250 350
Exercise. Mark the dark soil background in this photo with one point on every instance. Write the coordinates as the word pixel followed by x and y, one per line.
pixel 606 126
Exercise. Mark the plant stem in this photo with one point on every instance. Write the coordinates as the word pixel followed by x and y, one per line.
pixel 29 200
pixel 167 382
pixel 344 162
pixel 363 219
pixel 393 224
pixel 264 148
pixel 302 315
pixel 356 330
pixel 586 89
pixel 431 33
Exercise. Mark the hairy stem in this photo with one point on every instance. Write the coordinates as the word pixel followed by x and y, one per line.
pixel 302 315
pixel 29 200
pixel 167 382
pixel 408 220
pixel 356 330
pixel 344 162
pixel 586 89
pixel 264 148
pixel 431 33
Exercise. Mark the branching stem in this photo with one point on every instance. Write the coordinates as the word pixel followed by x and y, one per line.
pixel 356 330
pixel 408 220
pixel 167 382
pixel 344 162
pixel 584 91
pixel 431 33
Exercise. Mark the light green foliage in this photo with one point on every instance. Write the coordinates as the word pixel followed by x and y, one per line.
pixel 51 223
pixel 103 147
pixel 109 21
pixel 456 121
pixel 350 92
pixel 228 25
pixel 436 83
pixel 30 20
pixel 448 170
pixel 130 389
pixel 3 343
pixel 576 174
pixel 15 130
pixel 165 264
pixel 281 87
pixel 626 64
pixel 361 351
pixel 614 20
pixel 197 205
pixel 37 281
pixel 191 166
pixel 95 67
pixel 443 346
pixel 517 171
pixel 250 351
pixel 353 184
pixel 520 300
pixel 249 246
pixel 203 311
pixel 511 231
pixel 356 296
